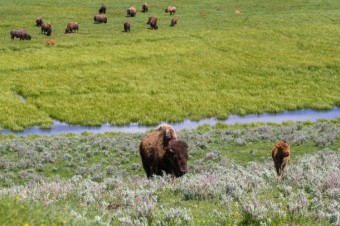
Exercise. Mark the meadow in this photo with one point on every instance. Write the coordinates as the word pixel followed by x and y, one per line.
pixel 98 179
pixel 273 56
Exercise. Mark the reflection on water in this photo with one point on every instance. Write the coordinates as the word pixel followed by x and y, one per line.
pixel 300 115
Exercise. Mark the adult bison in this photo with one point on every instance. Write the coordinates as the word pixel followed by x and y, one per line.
pixel 100 18
pixel 161 151
pixel 46 29
pixel 127 26
pixel 102 9
pixel 39 21
pixel 173 21
pixel 145 7
pixel 152 22
pixel 131 11
pixel 21 34
pixel 281 156
pixel 71 27
pixel 171 9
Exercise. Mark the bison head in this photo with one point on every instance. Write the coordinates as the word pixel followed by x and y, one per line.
pixel 177 154
pixel 27 37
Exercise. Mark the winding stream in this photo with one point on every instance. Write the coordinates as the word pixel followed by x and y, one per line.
pixel 299 115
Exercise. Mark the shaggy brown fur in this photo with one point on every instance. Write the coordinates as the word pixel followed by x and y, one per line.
pixel 173 21
pixel 171 9
pixel 39 21
pixel 21 34
pixel 281 156
pixel 153 22
pixel 145 7
pixel 102 9
pixel 162 151
pixel 46 29
pixel 127 26
pixel 100 18
pixel 72 26
pixel 167 131
pixel 131 11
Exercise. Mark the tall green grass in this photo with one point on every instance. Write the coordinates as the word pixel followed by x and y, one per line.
pixel 272 57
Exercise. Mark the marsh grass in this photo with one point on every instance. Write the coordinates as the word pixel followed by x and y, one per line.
pixel 271 57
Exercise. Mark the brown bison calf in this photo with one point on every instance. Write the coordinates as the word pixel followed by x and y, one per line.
pixel 21 34
pixel 72 26
pixel 153 22
pixel 161 151
pixel 102 9
pixel 145 7
pixel 131 11
pixel 100 18
pixel 281 156
pixel 127 26
pixel 46 29
pixel 171 9
pixel 51 42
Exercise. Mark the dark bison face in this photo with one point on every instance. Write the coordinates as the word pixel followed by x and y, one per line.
pixel 178 156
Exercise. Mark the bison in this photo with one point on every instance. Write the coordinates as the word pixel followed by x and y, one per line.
pixel 153 22
pixel 102 9
pixel 39 21
pixel 171 9
pixel 21 34
pixel 127 26
pixel 281 156
pixel 145 7
pixel 131 11
pixel 100 18
pixel 72 26
pixel 51 42
pixel 161 151
pixel 46 29
pixel 173 21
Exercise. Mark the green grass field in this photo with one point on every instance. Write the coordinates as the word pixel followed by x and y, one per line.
pixel 271 57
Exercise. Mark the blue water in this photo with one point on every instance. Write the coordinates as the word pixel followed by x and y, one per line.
pixel 299 115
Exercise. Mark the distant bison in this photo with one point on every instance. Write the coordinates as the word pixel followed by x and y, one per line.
pixel 145 7
pixel 131 11
pixel 152 22
pixel 51 42
pixel 281 156
pixel 171 10
pixel 100 18
pixel 39 21
pixel 127 26
pixel 46 29
pixel 71 27
pixel 162 151
pixel 102 9
pixel 21 34
pixel 173 21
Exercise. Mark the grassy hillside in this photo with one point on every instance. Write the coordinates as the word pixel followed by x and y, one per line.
pixel 272 56
pixel 99 180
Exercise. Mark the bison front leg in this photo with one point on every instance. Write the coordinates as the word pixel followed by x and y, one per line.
pixel 283 167
pixel 277 169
